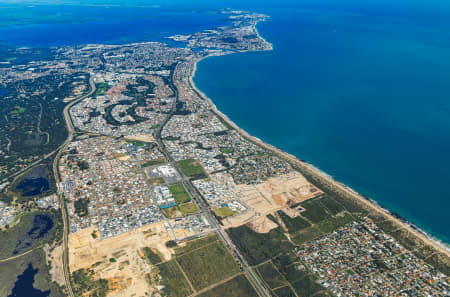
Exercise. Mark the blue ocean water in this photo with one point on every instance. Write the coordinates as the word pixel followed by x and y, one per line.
pixel 363 96
pixel 100 24
pixel 359 88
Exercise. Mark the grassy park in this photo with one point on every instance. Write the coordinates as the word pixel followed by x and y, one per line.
pixel 179 193
pixel 188 208
pixel 191 168
pixel 208 264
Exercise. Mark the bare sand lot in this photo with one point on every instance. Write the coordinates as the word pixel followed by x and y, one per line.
pixel 141 137
pixel 277 193
pixel 119 259
pixel 288 189
pixel 262 225
pixel 274 194
pixel 54 258
pixel 240 219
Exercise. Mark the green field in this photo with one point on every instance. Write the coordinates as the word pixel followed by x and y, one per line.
pixel 156 181
pixel 83 281
pixel 287 264
pixel 151 256
pixel 333 223
pixel 259 247
pixel 188 208
pixel 175 285
pixel 323 215
pixel 226 150
pixel 195 244
pixel 172 212
pixel 386 225
pixel 305 235
pixel 301 280
pixel 284 292
pixel 239 286
pixel 208 265
pixel 136 142
pixel 271 276
pixel 191 168
pixel 293 224
pixel 224 212
pixel 119 155
pixel 17 110
pixel 273 219
pixel 333 206
pixel 315 211
pixel 350 205
pixel 101 89
pixel 306 287
pixel 152 163
pixel 81 207
pixel 179 193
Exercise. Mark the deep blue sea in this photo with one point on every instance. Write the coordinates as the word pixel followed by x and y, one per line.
pixel 364 97
pixel 359 88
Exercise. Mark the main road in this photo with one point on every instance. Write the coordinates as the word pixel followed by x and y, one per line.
pixel 62 148
pixel 206 210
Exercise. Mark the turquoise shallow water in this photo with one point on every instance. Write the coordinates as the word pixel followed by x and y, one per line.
pixel 363 97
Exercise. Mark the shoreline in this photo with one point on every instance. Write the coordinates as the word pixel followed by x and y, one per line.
pixel 366 201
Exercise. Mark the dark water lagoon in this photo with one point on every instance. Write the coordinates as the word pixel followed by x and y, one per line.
pixel 33 187
pixel 24 285
pixel 35 182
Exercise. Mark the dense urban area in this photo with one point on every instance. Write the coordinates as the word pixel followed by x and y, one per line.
pixel 119 178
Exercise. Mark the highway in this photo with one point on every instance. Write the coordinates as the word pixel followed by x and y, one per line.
pixel 207 211
pixel 69 139
pixel 201 203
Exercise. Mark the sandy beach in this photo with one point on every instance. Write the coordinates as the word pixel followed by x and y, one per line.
pixel 428 240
